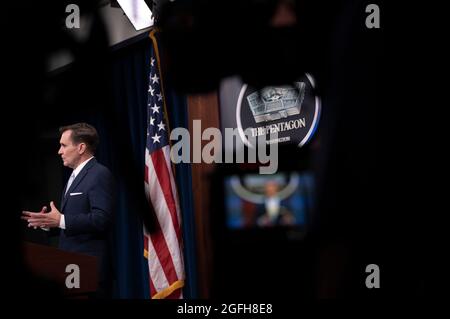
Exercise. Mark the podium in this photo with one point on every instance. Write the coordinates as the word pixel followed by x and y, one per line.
pixel 50 263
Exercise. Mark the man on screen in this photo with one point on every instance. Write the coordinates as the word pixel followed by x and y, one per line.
pixel 275 213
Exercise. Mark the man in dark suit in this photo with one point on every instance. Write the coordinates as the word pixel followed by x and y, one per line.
pixel 87 202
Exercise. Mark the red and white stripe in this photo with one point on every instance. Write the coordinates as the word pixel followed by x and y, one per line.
pixel 164 244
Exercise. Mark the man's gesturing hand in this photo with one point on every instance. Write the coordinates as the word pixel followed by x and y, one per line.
pixel 42 219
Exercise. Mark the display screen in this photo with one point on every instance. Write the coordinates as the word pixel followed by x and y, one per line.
pixel 262 201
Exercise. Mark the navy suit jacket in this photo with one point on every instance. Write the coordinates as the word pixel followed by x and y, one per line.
pixel 88 212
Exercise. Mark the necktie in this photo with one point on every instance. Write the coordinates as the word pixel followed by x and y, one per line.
pixel 72 177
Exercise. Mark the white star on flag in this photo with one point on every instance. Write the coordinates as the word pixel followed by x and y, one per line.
pixel 152 62
pixel 150 89
pixel 152 121
pixel 155 109
pixel 156 138
pixel 155 79
pixel 161 126
pixel 159 95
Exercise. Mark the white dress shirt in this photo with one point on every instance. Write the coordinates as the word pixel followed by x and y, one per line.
pixel 272 207
pixel 76 171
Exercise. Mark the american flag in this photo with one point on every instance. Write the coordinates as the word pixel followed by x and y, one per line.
pixel 163 246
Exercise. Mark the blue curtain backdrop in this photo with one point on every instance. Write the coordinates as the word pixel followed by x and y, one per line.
pixel 122 129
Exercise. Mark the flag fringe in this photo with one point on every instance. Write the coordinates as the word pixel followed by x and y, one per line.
pixel 169 290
